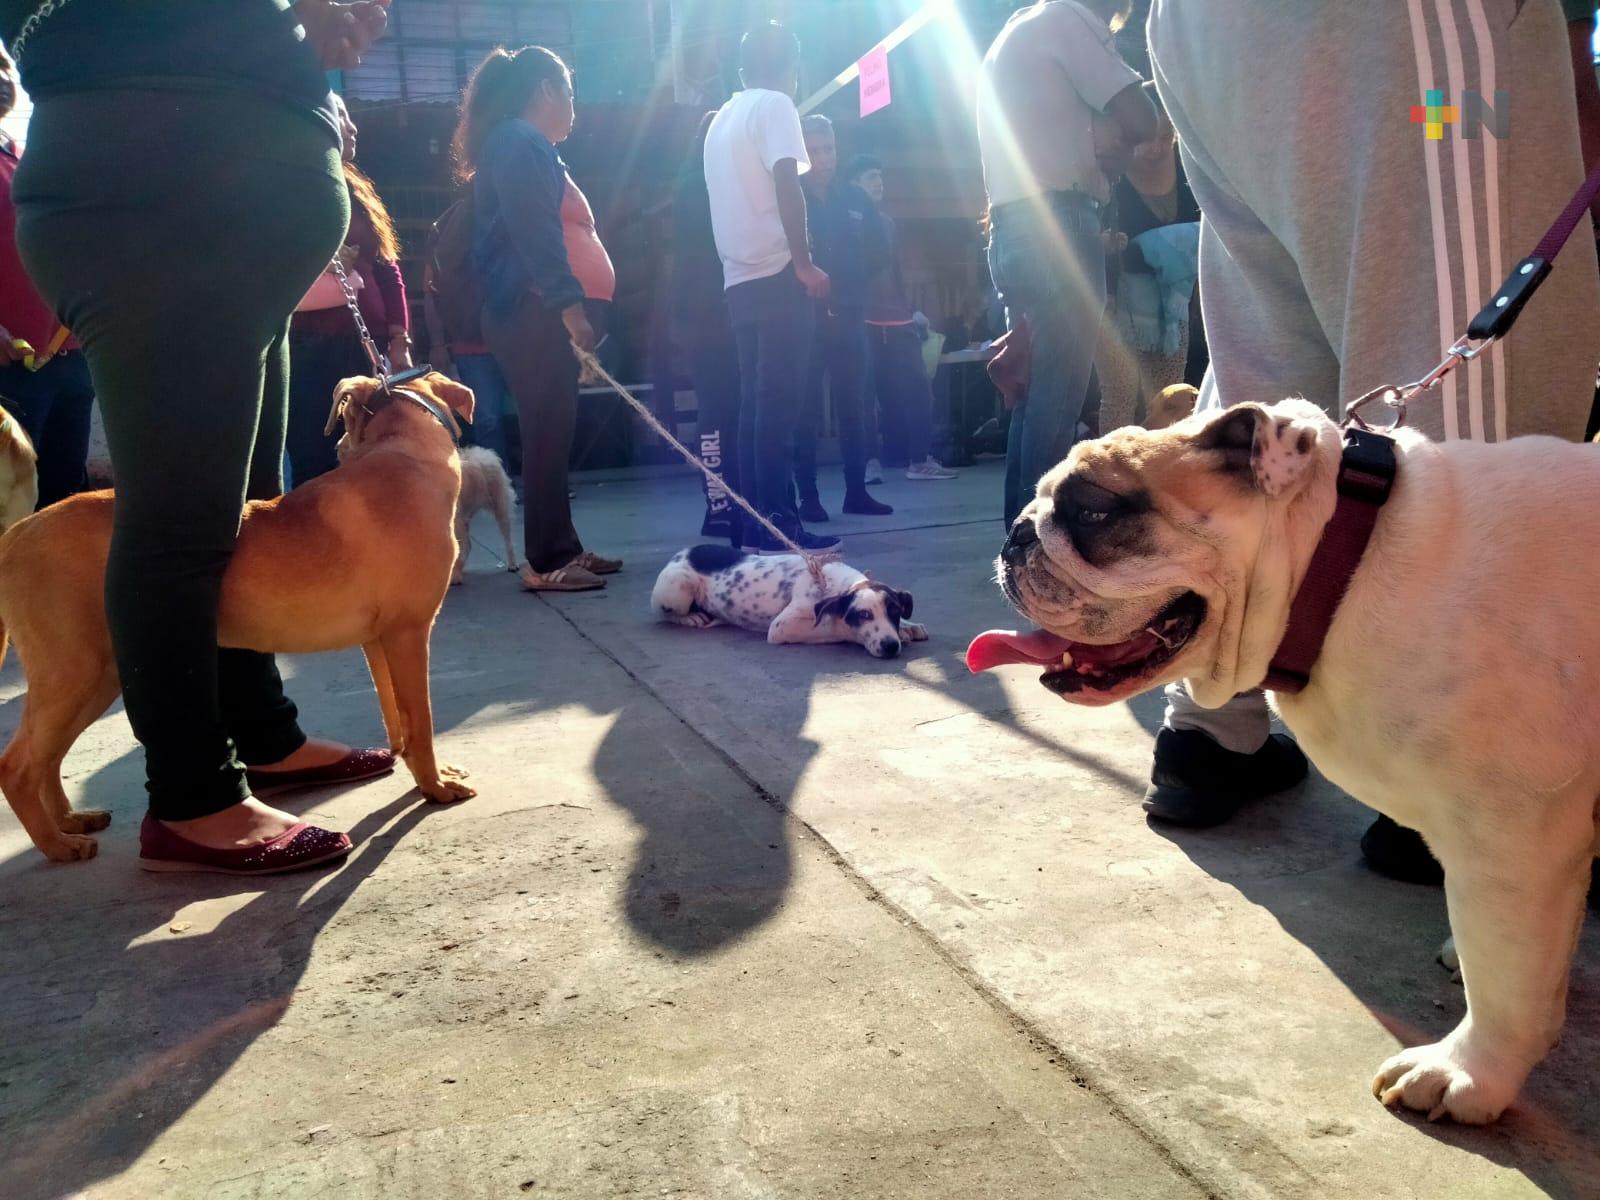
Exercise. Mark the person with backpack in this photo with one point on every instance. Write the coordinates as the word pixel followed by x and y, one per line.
pixel 453 309
pixel 547 282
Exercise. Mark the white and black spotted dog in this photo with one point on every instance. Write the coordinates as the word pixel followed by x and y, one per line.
pixel 717 585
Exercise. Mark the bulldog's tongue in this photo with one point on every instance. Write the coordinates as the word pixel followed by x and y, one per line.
pixel 1003 648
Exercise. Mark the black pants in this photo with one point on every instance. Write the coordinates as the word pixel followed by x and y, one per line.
pixel 535 355
pixel 155 222
pixel 772 321
pixel 53 405
pixel 317 362
pixel 904 392
pixel 839 358
pixel 714 368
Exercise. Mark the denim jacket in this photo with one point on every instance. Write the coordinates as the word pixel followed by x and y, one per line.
pixel 518 242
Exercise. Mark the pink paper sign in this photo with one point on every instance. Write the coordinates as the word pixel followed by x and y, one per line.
pixel 874 68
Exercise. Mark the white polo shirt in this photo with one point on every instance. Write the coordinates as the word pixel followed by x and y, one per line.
pixel 754 130
pixel 1052 68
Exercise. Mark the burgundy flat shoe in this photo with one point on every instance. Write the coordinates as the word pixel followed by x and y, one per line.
pixel 297 847
pixel 352 768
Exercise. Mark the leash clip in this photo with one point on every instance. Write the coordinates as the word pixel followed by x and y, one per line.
pixel 1464 349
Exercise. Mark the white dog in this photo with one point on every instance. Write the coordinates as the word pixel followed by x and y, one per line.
pixel 1454 692
pixel 777 596
pixel 484 485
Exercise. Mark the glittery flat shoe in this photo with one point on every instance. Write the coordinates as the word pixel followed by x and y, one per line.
pixel 297 847
pixel 352 768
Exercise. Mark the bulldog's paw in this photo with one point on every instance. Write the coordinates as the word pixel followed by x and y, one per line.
pixel 913 631
pixel 85 820
pixel 1442 1080
pixel 70 847
pixel 449 788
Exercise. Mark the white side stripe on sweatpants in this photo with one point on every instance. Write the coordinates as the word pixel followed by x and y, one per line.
pixel 1466 219
pixel 1491 205
pixel 1441 248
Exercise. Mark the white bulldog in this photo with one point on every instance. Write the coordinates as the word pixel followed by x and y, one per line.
pixel 1455 691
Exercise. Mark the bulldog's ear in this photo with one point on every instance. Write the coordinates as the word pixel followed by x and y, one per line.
pixel 455 396
pixel 1267 448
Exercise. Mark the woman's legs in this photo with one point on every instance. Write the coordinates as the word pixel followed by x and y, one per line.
pixel 535 352
pixel 132 255
pixel 316 365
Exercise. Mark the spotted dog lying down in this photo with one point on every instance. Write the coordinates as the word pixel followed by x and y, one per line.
pixel 717 585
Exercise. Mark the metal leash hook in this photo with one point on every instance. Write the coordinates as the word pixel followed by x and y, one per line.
pixel 1464 349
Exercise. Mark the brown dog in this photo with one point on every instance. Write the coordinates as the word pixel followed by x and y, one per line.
pixel 1171 405
pixel 358 557
pixel 19 472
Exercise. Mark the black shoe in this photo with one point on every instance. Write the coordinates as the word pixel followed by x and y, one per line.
pixel 812 543
pixel 1195 782
pixel 862 504
pixel 1400 853
pixel 811 510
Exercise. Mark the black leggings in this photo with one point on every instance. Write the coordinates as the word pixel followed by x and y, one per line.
pixel 174 232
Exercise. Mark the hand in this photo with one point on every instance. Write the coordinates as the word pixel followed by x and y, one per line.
pixel 578 327
pixel 400 354
pixel 1115 241
pixel 9 355
pixel 340 33
pixel 814 279
pixel 348 256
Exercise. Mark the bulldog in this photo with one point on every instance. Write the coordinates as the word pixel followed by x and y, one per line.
pixel 1454 690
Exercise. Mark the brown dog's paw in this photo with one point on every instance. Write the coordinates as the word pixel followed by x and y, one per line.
pixel 70 847
pixel 448 788
pixel 85 820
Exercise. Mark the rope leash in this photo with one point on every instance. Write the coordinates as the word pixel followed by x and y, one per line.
pixel 592 366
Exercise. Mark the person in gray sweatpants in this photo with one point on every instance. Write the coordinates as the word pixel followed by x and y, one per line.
pixel 1344 246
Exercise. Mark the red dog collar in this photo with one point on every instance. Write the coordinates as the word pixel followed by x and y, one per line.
pixel 1366 477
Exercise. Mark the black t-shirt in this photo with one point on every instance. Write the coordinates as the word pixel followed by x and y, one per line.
pixel 250 45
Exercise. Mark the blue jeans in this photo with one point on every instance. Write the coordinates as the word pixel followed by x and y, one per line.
pixel 1049 265
pixel 839 355
pixel 490 392
pixel 52 405
pixel 772 322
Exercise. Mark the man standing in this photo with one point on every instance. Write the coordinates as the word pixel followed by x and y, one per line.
pixel 754 156
pixel 1336 232
pixel 904 392
pixel 849 246
pixel 1049 73
pixel 52 398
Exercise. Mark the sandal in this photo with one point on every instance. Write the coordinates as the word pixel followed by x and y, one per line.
pixel 570 578
pixel 590 561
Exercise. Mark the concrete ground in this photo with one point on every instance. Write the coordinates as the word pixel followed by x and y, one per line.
pixel 731 920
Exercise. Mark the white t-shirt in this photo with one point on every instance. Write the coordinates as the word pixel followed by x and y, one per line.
pixel 1053 67
pixel 754 130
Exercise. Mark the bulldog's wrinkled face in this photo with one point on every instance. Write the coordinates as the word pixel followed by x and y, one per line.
pixel 1145 552
pixel 871 614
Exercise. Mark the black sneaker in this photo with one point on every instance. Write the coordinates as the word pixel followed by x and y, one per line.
pixel 1400 853
pixel 811 510
pixel 811 543
pixel 1197 783
pixel 862 504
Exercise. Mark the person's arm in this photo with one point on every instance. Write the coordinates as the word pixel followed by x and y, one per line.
pixel 438 339
pixel 1099 75
pixel 875 251
pixel 341 33
pixel 792 212
pixel 391 287
pixel 530 185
